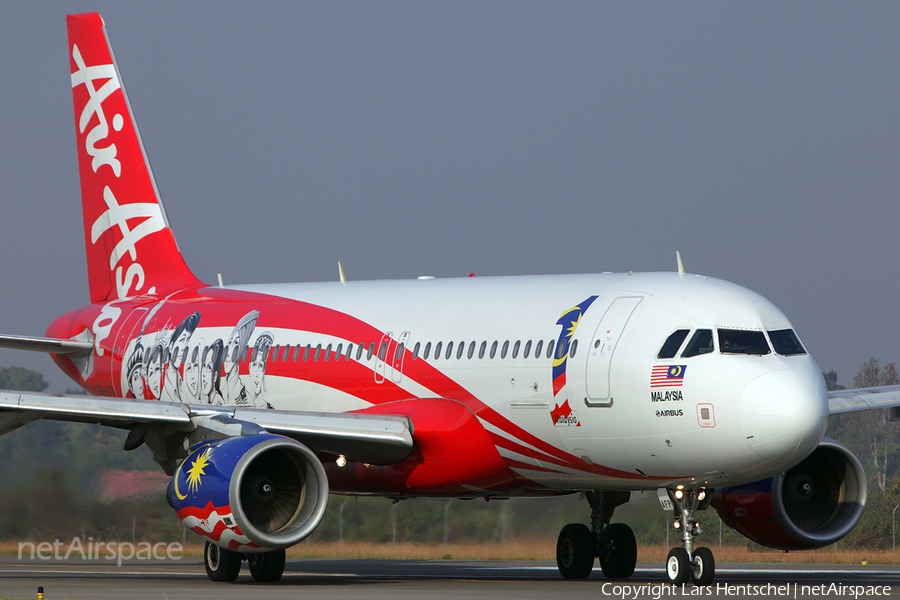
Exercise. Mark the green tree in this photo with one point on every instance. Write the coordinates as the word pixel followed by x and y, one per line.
pixel 24 380
pixel 831 383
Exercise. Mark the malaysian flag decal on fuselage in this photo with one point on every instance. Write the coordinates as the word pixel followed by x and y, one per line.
pixel 667 376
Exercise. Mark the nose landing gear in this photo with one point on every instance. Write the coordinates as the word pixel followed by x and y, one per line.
pixel 687 563
pixel 614 544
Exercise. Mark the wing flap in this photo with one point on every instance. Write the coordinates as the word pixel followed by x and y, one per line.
pixel 114 412
pixel 375 439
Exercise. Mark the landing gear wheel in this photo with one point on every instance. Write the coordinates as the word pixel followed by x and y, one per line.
pixel 575 551
pixel 620 563
pixel 703 567
pixel 678 566
pixel 221 564
pixel 266 567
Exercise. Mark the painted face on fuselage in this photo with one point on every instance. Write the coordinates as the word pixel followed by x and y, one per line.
pixel 192 371
pixel 231 351
pixel 206 376
pixel 257 372
pixel 154 375
pixel 136 384
pixel 180 350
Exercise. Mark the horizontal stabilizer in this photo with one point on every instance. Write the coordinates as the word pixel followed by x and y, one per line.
pixel 50 345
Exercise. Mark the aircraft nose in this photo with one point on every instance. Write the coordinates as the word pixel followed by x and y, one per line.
pixel 783 414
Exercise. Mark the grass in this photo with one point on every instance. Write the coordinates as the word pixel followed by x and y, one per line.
pixel 544 549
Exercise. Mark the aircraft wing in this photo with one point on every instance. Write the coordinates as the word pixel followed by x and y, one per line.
pixel 375 439
pixel 846 401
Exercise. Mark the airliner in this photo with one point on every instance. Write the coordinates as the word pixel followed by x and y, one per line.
pixel 260 400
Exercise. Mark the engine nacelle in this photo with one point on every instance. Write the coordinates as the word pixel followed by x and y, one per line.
pixel 250 494
pixel 813 504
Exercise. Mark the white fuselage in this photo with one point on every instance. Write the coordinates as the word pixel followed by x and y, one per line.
pixel 730 418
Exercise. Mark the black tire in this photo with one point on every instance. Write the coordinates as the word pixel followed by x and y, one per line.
pixel 221 564
pixel 703 566
pixel 575 551
pixel 620 564
pixel 678 566
pixel 266 567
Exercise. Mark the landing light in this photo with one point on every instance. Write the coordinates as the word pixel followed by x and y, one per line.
pixel 676 525
pixel 701 495
pixel 341 461
pixel 679 494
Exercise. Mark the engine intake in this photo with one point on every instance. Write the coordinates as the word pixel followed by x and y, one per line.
pixel 811 505
pixel 250 493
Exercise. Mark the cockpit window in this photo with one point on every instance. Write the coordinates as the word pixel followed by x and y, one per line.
pixel 701 343
pixel 673 343
pixel 786 342
pixel 743 341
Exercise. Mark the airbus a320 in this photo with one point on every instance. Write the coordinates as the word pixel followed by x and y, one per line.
pixel 259 400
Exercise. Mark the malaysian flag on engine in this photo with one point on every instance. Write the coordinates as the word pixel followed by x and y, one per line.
pixel 667 376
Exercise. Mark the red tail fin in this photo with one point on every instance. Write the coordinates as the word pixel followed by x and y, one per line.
pixel 130 247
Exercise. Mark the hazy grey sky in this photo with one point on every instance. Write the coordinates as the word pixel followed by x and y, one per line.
pixel 404 139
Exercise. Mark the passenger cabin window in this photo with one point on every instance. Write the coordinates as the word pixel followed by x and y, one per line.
pixel 275 353
pixel 461 349
pixel 561 350
pixel 743 341
pixel 437 350
pixel 328 353
pixel 672 344
pixel 786 342
pixel 494 349
pixel 504 349
pixel 482 348
pixel 701 343
pixel 306 352
pixel 515 353
pixel 371 351
pixel 359 351
pixel 416 350
pixel 427 350
pixel 572 348
pixel 471 351
pixel 297 350
pixel 550 348
pixel 286 353
pixel 537 349
pixel 449 350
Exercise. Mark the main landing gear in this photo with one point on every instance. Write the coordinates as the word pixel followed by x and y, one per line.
pixel 613 544
pixel 687 563
pixel 225 565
